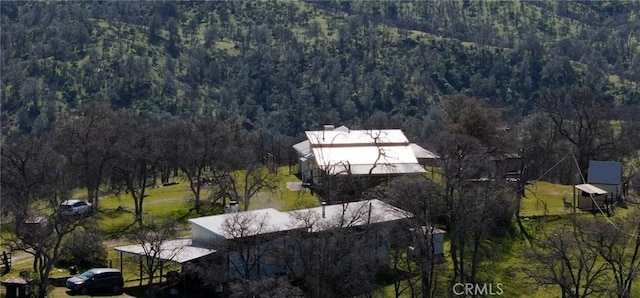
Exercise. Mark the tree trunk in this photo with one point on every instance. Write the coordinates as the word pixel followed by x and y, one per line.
pixel 426 282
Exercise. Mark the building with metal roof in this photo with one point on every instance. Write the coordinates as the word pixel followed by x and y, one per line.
pixel 177 251
pixel 209 229
pixel 269 231
pixel 342 152
pixel 606 175
pixel 591 197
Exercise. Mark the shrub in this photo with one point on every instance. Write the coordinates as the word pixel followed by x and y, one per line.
pixel 84 249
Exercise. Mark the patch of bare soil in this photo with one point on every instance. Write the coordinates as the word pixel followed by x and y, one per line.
pixel 294 185
pixel 265 200
pixel 19 257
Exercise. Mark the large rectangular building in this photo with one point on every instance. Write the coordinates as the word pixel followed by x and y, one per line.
pixel 341 152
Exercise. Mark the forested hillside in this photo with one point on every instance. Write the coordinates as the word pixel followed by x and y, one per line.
pixel 112 99
pixel 288 66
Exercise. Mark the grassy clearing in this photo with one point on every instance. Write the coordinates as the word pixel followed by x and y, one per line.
pixel 116 211
pixel 175 201
pixel 505 267
pixel 544 198
pixel 294 199
pixel 116 217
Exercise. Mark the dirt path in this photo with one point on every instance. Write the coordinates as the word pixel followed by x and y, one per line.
pixel 20 257
pixel 294 186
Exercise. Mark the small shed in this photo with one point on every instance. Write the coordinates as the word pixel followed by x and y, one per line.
pixel 16 287
pixel 606 175
pixel 437 237
pixel 590 197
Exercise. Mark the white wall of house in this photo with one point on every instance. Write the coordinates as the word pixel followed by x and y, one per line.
pixel 274 257
pixel 202 236
pixel 282 256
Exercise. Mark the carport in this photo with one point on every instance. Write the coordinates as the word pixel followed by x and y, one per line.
pixel 178 251
pixel 590 197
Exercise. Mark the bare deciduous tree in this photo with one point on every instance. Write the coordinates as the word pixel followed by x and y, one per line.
pixel 153 236
pixel 26 174
pixel 201 149
pixel 245 244
pixel 239 252
pixel 478 204
pixel 88 141
pixel 37 180
pixel 562 257
pixel 137 155
pixel 244 185
pixel 619 246
pixel 268 287
pixel 412 244
pixel 337 256
pixel 580 117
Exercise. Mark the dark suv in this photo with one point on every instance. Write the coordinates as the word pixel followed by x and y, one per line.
pixel 105 279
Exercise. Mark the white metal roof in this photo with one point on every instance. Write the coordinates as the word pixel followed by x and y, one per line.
pixel 362 159
pixel 420 152
pixel 346 215
pixel 362 152
pixel 303 148
pixel 261 221
pixel 265 221
pixel 590 189
pixel 356 137
pixel 178 251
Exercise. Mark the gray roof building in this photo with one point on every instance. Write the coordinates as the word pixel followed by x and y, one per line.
pixel 604 172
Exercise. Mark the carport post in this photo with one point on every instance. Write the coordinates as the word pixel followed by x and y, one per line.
pixel 161 265
pixel 121 263
pixel 574 199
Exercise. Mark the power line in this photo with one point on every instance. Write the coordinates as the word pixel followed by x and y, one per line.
pixel 543 174
pixel 624 250
pixel 592 197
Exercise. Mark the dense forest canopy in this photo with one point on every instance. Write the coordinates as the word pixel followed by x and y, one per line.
pixel 119 97
pixel 289 66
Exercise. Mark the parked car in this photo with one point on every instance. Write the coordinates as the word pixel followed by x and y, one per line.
pixel 97 279
pixel 75 207
pixel 38 221
pixel 35 227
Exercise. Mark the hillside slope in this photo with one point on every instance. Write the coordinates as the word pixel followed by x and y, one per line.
pixel 290 65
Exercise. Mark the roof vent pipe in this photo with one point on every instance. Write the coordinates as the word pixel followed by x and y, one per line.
pixel 324 204
pixel 232 207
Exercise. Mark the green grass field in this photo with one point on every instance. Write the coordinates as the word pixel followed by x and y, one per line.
pixel 544 198
pixel 542 206
pixel 115 218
